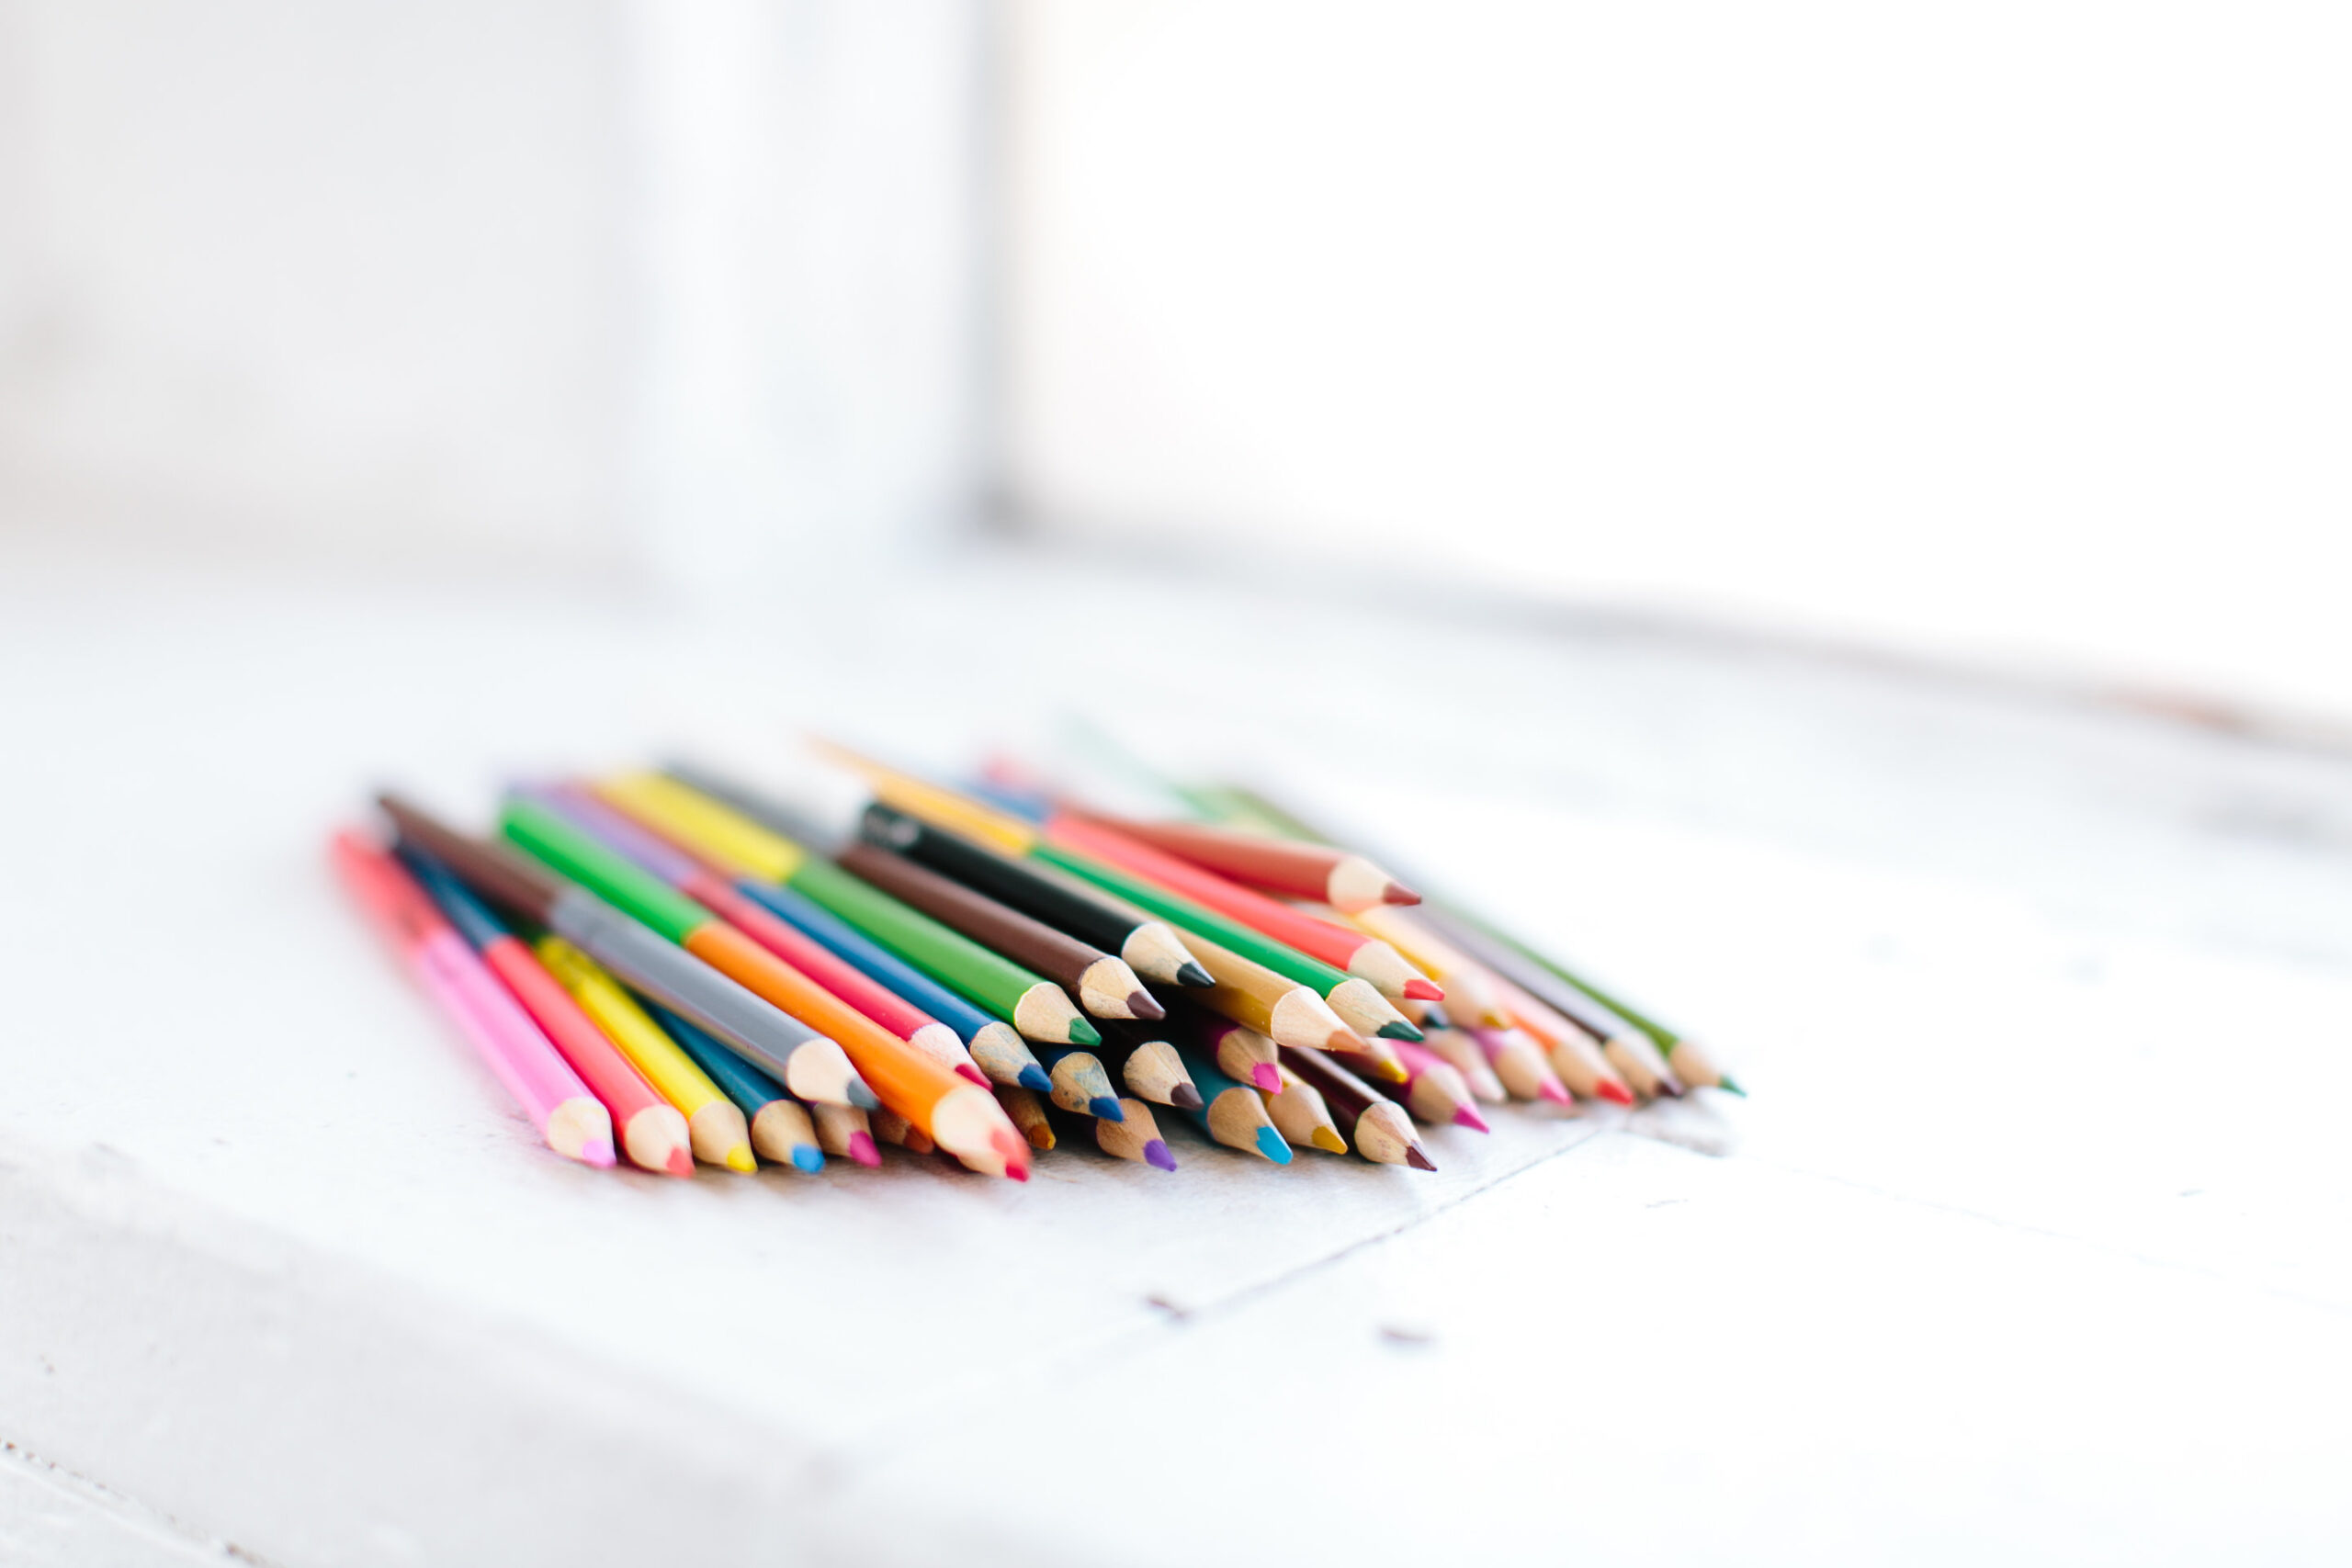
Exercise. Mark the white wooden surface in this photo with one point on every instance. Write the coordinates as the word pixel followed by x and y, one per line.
pixel 2032 1241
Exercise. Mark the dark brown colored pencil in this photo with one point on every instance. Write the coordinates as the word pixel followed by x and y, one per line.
pixel 1104 985
pixel 1145 1057
pixel 1374 1123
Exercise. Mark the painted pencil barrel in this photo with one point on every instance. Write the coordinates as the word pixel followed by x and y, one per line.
pixel 521 1057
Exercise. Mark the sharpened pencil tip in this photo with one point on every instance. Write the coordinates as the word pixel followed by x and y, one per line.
pixel 739 1160
pixel 1184 1097
pixel 861 1149
pixel 1140 1005
pixel 680 1162
pixel 1399 1029
pixel 1422 990
pixel 1193 975
pixel 598 1152
pixel 1084 1033
pixel 1615 1092
pixel 1397 893
pixel 1266 1075
pixel 1270 1145
pixel 1155 1154
pixel 967 1071
pixel 1463 1116
pixel 1324 1138
pixel 1418 1160
pixel 1105 1108
pixel 1555 1093
pixel 1723 1082
pixel 857 1094
pixel 808 1157
pixel 1016 1173
pixel 1035 1079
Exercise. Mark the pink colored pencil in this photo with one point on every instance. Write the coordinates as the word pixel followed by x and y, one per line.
pixel 1519 1061
pixel 521 1057
pixel 1435 1090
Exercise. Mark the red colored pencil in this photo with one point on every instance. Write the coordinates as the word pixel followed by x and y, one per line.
pixel 1292 867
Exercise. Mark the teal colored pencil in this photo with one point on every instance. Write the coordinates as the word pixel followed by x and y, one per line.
pixel 1231 1111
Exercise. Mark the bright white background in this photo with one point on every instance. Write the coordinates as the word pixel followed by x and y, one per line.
pixel 2014 331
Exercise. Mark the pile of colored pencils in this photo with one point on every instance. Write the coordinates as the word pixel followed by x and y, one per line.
pixel 669 966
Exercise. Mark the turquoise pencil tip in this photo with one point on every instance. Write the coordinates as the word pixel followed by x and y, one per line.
pixel 1402 1029
pixel 1155 1154
pixel 1105 1108
pixel 1033 1076
pixel 1270 1145
pixel 1722 1081
pixel 808 1157
pixel 861 1096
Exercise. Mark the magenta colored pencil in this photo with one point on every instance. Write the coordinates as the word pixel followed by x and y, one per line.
pixel 511 1046
pixel 1520 1062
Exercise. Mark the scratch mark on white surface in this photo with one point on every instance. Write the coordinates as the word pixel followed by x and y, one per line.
pixel 150 1527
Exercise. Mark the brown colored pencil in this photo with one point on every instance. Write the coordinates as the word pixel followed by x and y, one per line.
pixel 1104 985
pixel 1377 1125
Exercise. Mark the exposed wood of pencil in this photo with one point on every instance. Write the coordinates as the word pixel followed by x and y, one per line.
pixel 1028 1113
pixel 1374 1123
pixel 1105 983
pixel 1136 1137
pixel 1081 1085
pixel 1467 991
pixel 1635 1057
pixel 1238 1118
pixel 845 1132
pixel 1521 1064
pixel 1301 1115
pixel 1439 1093
pixel 892 1128
pixel 1575 1052
pixel 779 1128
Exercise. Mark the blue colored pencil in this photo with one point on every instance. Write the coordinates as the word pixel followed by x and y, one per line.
pixel 781 1131
pixel 1233 1113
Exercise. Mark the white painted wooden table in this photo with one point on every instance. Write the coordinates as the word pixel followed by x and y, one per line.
pixel 2033 1245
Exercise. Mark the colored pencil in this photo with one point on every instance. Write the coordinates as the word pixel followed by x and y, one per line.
pixel 1135 1136
pixel 639 955
pixel 742 842
pixel 781 1131
pixel 1028 1113
pixel 1375 1124
pixel 1301 1115
pixel 1081 1084
pixel 1171 889
pixel 1525 1070
pixel 648 1128
pixel 1232 1112
pixel 714 1124
pixel 911 1083
pixel 845 1130
pixel 1254 996
pixel 1144 1060
pixel 1150 947
pixel 571 1121
pixel 1471 1063
pixel 1104 986
pixel 1436 1091
pixel 741 907
pixel 1292 868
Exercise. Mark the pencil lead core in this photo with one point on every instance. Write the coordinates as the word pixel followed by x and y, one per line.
pixel 1155 1154
pixel 1184 1097
pixel 1193 975
pixel 1140 1005
pixel 1105 1108
pixel 1035 1079
pixel 1418 1160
